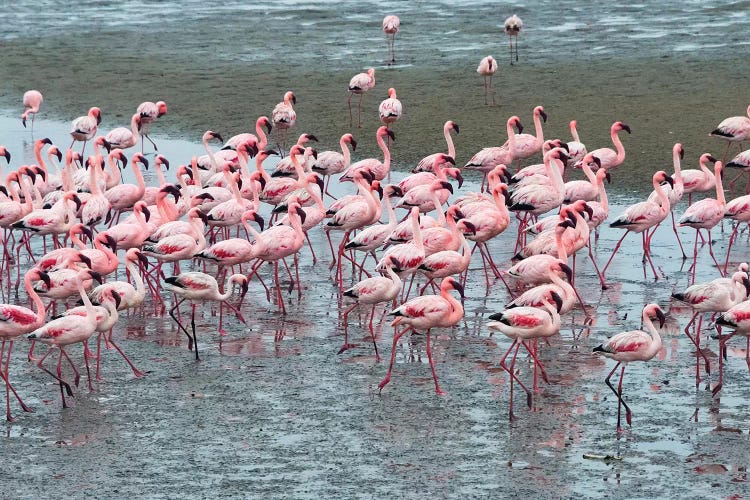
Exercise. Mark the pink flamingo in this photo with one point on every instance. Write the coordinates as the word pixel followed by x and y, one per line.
pixel 371 291
pixel 379 170
pixel 359 84
pixel 285 167
pixel 528 145
pixel 737 318
pixel 706 214
pixel 130 296
pixel 425 313
pixel 124 138
pixel 426 163
pixel 715 296
pixel 150 194
pixel 391 25
pixel 150 112
pixel 742 162
pixel 586 190
pixel 176 248
pixel 15 321
pixel 733 129
pixel 609 158
pixel 84 128
pixel 123 197
pixel 576 149
pixel 699 181
pixel 234 251
pixel 97 207
pixel 373 237
pixel 526 324
pixel 537 198
pixel 330 163
pixel 487 67
pixel 261 139
pixel 65 331
pixel 643 216
pixel 737 209
pixel 674 193
pixel 535 297
pixel 446 263
pixel 488 158
pixel 406 257
pixel 634 345
pixel 201 287
pixel 513 26
pixel 390 109
pixel 284 117
pixel 32 101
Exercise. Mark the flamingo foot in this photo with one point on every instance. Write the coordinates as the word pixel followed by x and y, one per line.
pixel 346 347
pixel 383 383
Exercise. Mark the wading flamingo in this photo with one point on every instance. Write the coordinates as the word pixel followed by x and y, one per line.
pixel 391 25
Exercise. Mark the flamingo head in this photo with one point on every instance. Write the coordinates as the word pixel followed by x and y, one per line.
pixel 265 122
pixel 4 152
pixel 468 227
pixel 93 275
pixel 96 113
pixel 456 174
pixel 317 180
pixel 679 150
pixel 290 97
pixel 252 214
pixel 43 276
pixel 581 206
pixel 393 191
pixel 210 134
pixel 539 110
pixel 54 150
pixel 556 299
pixel 662 176
pixel 376 186
pixel 453 283
pixel 161 160
pixel 565 269
pixel 161 108
pixel 349 139
pixel 173 190
pixel 306 138
pixel 514 121
pixel 602 174
pixel 617 126
pixel 653 311
pixel 75 199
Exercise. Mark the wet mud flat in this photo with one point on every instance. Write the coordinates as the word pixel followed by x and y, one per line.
pixel 273 409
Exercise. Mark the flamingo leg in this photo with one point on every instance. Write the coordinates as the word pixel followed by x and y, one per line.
pixel 387 378
pixel 136 372
pixel 349 102
pixel 192 326
pixel 711 252
pixel 677 235
pixel 8 386
pixel 176 307
pixel 345 322
pixel 618 393
pixel 533 354
pixel 617 247
pixel 729 247
pixel 438 391
pixel 511 371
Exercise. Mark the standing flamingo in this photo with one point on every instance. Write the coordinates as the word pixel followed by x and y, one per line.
pixel 487 67
pixel 150 112
pixel 284 117
pixel 527 145
pixel 733 129
pixel 634 345
pixel 329 163
pixel 32 101
pixel 84 128
pixel 489 158
pixel 425 313
pixel 513 26
pixel 608 157
pixel 390 109
pixel 200 287
pixel 261 139
pixel 391 25
pixel 359 84
pixel 123 137
pixel 576 149
pixel 524 324
pixel 426 163
pixel 674 193
pixel 699 181
pixel 376 168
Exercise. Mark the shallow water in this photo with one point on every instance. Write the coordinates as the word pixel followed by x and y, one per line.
pixel 273 410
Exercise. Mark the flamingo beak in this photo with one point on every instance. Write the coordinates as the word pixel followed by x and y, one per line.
pixel 519 126
pixel 301 213
pixel 455 127
pixel 96 276
pixel 294 99
pixel 143 259
pixel 447 185
pixel 218 136
pixel 165 162
pixel 58 153
pixel 269 127
pixel 568 271
pixel 712 159
pixel 143 161
pixel 558 301
pixel 117 298
pixel 609 178
pixel 112 243
pixel 46 279
pixel 661 317
pixel 77 201
pixel 352 142
pixel 7 155
pixel 257 218
pixel 311 137
pixel 543 115
pixel 471 228
pixel 105 142
pixel 319 182
pixel 146 213
pixel 459 288
pixel 391 135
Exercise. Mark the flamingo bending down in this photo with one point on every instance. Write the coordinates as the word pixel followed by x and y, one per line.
pixel 284 117
pixel 608 157
pixel 733 129
pixel 524 324
pixel 634 345
pixel 425 313
pixel 643 216
pixel 32 101
pixel 200 287
pixel 150 112
pixel 372 291
pixel 84 128
pixel 261 140
pixel 359 84
pixel 487 67
pixel 391 25
pixel 513 26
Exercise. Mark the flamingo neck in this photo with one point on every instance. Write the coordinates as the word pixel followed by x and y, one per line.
pixel 439 208
pixel 574 131
pixel 677 168
pixel 262 138
pixel 140 182
pixel 562 252
pixel 449 141
pixel 90 311
pixel 140 288
pixel 41 311
pixel 618 145
pixel 719 185
pixel 93 179
pixel 662 195
pixel 112 260
pixel 210 153
pixel 38 155
pixel 221 297
pixel 511 139
pixel 346 153
pixel 259 168
pixel 77 241
pixel 391 213
pixel 115 170
pixel 457 310
pixel 538 130
pixel 386 155
pixel 417 232
pixel 655 336
pixel 603 195
pixel 590 175
pixel 134 129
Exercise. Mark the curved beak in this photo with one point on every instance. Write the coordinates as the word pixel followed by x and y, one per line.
pixel 471 228
pixel 568 271
pixel 96 276
pixel 543 115
pixel 391 135
pixel 257 218
pixel 352 142
pixel 661 317
pixel 301 213
pixel 46 279
pixel 626 128
pixel 146 213
pixel 117 298
pixel 447 185
pixel 458 287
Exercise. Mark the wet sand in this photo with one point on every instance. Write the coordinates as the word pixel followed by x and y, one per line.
pixel 272 410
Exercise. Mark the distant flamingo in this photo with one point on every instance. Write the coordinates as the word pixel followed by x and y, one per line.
pixel 733 129
pixel 513 26
pixel 426 163
pixel 641 217
pixel 124 138
pixel 609 158
pixel 738 210
pixel 200 287
pixel 150 112
pixel 359 84
pixel 634 345
pixel 425 313
pixel 284 117
pixel 84 128
pixel 487 67
pixel 524 324
pixel 742 162
pixel 32 101
pixel 391 25
pixel 390 109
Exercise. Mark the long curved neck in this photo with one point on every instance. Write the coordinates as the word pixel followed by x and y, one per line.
pixel 41 312
pixel 345 153
pixel 394 277
pixel 221 297
pixel 392 222
pixel 655 336
pixel 439 208
pixel 114 170
pixel 196 223
pixel 511 138
pixel 243 159
pixel 76 240
pixel 210 153
pixel 552 310
pixel 618 145
pixel 557 280
pixel 134 129
pixel 259 167
pixel 386 153
pixel 719 183
pixel 677 167
pixel 38 155
pixel 417 232
pixel 160 174
pixel 562 252
pixel 54 162
pixel 457 310
pixel 262 139
pixel 538 130
pixel 26 190
pixel 298 168
pixel 574 131
pixel 140 288
pixel 590 175
pixel 465 249
pixel 449 141
pixel 112 259
pixel 603 195
pixel 140 182
pixel 662 195
pixel 94 178
pixel 90 311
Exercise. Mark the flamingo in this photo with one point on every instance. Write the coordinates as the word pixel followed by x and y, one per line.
pixel 391 25
pixel 406 257
pixel 641 217
pixel 587 190
pixel 533 269
pixel 674 193
pixel 634 345
pixel 390 109
pixel 371 291
pixel 329 163
pixel 425 313
pixel 359 84
pixel 716 296
pixel 489 158
pixel 150 112
pixel 151 191
pixel 379 170
pixel 375 236
pixel 609 158
pixel 15 321
pixel 487 67
pixel 233 251
pixel 535 297
pixel 524 324
pixel 449 262
pixel 32 101
pixel 699 181
pixel 123 197
pixel 528 145
pixel 706 214
pixel 200 287
pixel 576 149
pixel 733 129
pixel 84 128
pixel 284 117
pixel 261 140
pixel 742 162
pixel 735 318
pixel 97 207
pixel 513 26
pixel 124 138
pixel 426 163
pixel 737 209
pixel 539 198
pixel 130 296
pixel 64 331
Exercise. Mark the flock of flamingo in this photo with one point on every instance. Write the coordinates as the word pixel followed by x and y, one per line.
pixel 70 224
